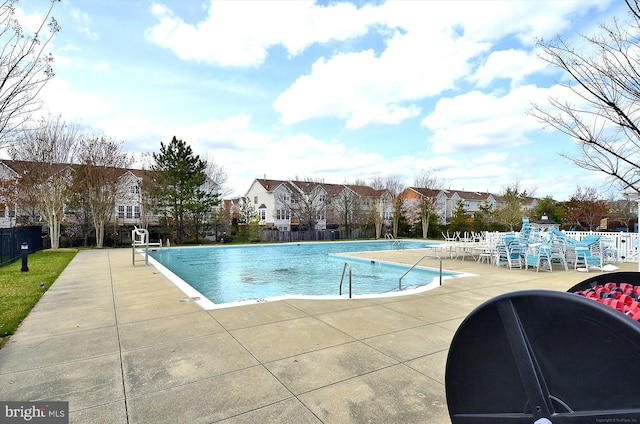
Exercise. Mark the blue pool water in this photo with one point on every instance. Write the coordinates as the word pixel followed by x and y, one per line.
pixel 239 273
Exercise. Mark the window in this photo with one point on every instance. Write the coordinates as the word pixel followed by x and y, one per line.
pixel 129 211
pixel 135 189
pixel 121 211
pixel 136 211
pixel 255 199
pixel 388 215
pixel 262 213
pixel 283 214
pixel 2 211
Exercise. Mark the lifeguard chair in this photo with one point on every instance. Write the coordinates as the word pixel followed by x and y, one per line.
pixel 140 240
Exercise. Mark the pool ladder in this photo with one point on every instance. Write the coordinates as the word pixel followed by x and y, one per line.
pixel 344 269
pixel 416 264
pixel 395 243
pixel 348 265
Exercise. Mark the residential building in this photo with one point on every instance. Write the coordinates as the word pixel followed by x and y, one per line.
pixel 414 197
pixel 472 201
pixel 292 205
pixel 129 209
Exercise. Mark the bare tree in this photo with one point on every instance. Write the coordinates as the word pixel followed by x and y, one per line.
pixel 370 204
pixel 347 205
pixel 380 204
pixel 9 196
pixel 429 185
pixel 45 151
pixel 305 200
pixel 393 184
pixel 604 83
pixel 102 162
pixel 216 175
pixel 25 68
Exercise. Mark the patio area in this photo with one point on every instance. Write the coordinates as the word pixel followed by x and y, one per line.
pixel 122 344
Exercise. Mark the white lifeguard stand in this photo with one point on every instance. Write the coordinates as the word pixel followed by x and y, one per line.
pixel 140 240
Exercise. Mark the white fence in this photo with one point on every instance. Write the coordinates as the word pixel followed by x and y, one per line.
pixel 624 244
pixel 623 247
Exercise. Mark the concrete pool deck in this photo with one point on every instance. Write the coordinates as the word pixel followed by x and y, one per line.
pixel 123 344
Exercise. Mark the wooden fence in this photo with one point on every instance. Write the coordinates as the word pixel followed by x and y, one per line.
pixel 315 235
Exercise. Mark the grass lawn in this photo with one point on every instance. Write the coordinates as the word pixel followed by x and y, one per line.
pixel 20 291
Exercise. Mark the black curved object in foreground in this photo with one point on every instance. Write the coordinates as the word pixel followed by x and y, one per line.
pixel 525 356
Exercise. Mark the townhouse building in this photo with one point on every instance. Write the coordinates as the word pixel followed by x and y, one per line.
pixel 289 205
pixel 8 206
pixel 414 197
pixel 445 202
pixel 129 205
pixel 472 200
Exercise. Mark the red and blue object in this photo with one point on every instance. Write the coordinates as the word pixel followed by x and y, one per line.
pixel 624 297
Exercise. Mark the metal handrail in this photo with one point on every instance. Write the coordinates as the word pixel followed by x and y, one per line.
pixel 394 241
pixel 416 264
pixel 346 264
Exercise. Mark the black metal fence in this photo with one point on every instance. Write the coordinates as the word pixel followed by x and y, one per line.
pixel 11 240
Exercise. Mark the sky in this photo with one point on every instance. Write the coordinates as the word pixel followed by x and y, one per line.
pixel 342 91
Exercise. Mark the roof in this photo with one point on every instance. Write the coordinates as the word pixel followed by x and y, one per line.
pixel 21 166
pixel 365 191
pixel 18 166
pixel 270 185
pixel 426 192
pixel 305 186
pixel 469 195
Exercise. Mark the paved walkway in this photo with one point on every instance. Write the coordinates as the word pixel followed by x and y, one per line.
pixel 123 345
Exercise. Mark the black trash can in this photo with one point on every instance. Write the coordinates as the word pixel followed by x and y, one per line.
pixel 544 356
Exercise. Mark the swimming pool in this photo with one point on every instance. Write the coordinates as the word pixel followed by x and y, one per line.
pixel 228 274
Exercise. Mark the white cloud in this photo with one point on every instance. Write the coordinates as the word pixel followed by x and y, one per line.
pixel 30 22
pixel 430 46
pixel 60 98
pixel 139 134
pixel 240 33
pixel 365 89
pixel 102 67
pixel 436 44
pixel 478 120
pixel 510 64
pixel 83 23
